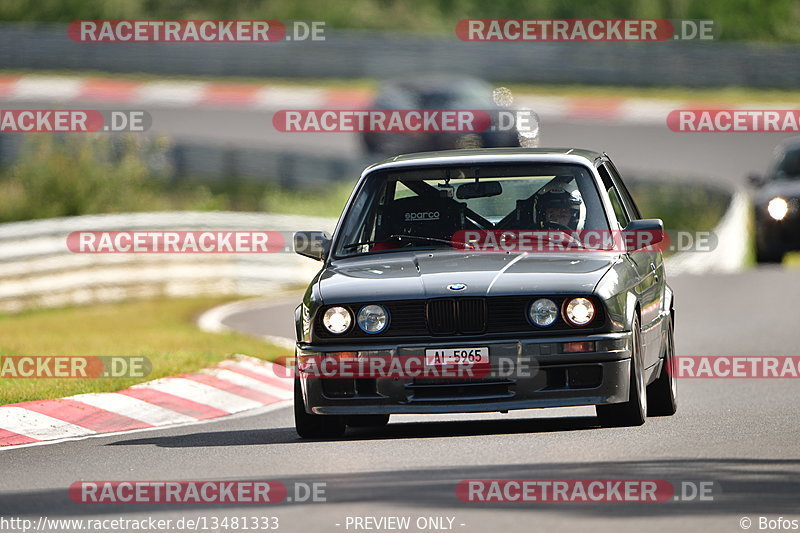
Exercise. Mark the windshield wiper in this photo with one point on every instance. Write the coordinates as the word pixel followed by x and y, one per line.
pixel 422 238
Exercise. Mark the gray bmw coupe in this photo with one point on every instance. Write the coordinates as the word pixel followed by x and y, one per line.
pixel 485 280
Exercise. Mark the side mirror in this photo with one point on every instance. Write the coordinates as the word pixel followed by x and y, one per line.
pixel 756 180
pixel 644 233
pixel 313 244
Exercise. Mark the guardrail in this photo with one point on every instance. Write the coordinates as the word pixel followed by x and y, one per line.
pixel 38 270
pixel 733 243
pixel 358 54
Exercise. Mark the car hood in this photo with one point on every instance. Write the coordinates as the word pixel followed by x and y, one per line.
pixel 428 275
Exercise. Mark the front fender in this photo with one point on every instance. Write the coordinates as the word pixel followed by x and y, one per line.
pixel 616 289
pixel 305 311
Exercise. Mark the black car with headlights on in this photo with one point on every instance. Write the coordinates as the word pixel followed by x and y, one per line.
pixel 777 204
pixel 423 303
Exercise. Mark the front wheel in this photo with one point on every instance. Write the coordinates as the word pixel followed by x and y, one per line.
pixel 311 426
pixel 662 394
pixel 634 411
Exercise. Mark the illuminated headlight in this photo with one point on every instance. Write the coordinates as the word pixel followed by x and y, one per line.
pixel 579 311
pixel 337 320
pixel 373 318
pixel 543 312
pixel 777 208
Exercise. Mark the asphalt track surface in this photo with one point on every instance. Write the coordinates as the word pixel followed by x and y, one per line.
pixel 739 434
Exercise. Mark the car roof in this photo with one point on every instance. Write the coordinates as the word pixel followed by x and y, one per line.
pixel 488 155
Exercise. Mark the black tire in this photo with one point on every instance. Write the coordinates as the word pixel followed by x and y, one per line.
pixel 367 421
pixel 311 426
pixel 634 411
pixel 662 394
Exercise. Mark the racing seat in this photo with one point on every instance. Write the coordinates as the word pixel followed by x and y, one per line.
pixel 420 216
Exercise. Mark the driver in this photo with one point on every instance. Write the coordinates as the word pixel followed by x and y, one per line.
pixel 558 209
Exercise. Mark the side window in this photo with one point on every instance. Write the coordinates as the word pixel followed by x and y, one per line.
pixel 619 212
pixel 627 199
pixel 616 202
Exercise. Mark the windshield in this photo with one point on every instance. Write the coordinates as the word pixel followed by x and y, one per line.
pixel 424 208
pixel 789 166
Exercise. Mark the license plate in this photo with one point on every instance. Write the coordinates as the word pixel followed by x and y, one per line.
pixel 457 356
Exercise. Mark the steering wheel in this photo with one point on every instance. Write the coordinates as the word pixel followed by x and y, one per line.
pixel 556 226
pixel 549 225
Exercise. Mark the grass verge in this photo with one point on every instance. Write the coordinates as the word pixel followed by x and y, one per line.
pixel 681 205
pixel 70 176
pixel 163 330
pixel 792 260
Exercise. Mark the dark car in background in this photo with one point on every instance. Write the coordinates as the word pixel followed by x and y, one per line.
pixel 777 204
pixel 592 326
pixel 436 92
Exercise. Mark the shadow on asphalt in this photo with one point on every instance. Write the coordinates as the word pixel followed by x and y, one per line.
pixel 406 430
pixel 742 486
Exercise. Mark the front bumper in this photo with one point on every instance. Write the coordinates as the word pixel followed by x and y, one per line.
pixel 526 374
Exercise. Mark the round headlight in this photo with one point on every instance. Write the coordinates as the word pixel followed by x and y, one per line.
pixel 778 208
pixel 337 320
pixel 373 318
pixel 543 312
pixel 579 311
